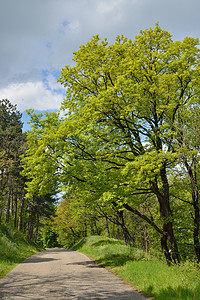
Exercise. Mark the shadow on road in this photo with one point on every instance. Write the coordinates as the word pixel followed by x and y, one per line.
pixel 38 260
pixel 88 264
pixel 63 274
pixel 65 287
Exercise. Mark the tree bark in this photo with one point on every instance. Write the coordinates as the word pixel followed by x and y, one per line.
pixel 126 234
pixel 15 202
pixel 195 202
pixel 20 219
pixel 162 194
pixel 8 206
pixel 37 227
pixel 107 226
pixel 30 223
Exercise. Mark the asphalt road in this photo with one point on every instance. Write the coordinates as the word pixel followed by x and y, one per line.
pixel 63 274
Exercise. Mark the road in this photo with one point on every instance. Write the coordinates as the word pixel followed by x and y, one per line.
pixel 63 274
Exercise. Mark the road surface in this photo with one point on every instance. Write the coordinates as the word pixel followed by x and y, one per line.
pixel 63 274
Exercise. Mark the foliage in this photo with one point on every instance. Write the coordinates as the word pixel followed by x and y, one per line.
pixel 12 145
pixel 73 221
pixel 47 237
pixel 39 158
pixel 119 137
pixel 14 248
pixel 16 209
pixel 146 273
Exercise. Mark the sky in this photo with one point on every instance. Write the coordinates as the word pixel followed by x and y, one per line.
pixel 38 37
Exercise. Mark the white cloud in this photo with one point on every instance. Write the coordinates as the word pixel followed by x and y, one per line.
pixel 36 95
pixel 40 36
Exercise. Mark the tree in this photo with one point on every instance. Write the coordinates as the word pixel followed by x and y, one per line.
pixel 188 144
pixel 12 145
pixel 39 169
pixel 118 134
pixel 40 162
pixel 126 98
pixel 38 208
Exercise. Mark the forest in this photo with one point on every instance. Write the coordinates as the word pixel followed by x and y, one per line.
pixel 121 156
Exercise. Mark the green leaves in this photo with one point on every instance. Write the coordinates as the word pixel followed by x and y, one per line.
pixel 119 98
pixel 119 134
pixel 40 166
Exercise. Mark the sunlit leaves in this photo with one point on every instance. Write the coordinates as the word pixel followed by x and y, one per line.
pixel 121 125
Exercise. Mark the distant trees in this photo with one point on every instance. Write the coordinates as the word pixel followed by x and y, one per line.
pixel 15 208
pixel 188 146
pixel 12 145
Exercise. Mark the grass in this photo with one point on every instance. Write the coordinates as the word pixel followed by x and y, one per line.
pixel 14 248
pixel 146 273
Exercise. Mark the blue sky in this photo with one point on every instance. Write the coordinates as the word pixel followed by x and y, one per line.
pixel 38 38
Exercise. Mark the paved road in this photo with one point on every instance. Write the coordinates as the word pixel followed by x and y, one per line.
pixel 63 274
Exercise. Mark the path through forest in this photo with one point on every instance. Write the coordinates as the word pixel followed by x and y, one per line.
pixel 63 274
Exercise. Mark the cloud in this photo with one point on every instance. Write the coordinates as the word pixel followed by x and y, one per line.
pixel 41 35
pixel 37 95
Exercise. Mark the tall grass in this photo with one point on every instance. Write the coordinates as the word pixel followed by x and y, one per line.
pixel 146 273
pixel 13 249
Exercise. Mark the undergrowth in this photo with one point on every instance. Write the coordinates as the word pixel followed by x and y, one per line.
pixel 145 272
pixel 14 248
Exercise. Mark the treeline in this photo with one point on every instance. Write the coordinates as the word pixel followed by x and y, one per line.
pixel 15 209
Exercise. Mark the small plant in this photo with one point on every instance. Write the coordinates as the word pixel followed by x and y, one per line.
pixel 145 272
pixel 13 249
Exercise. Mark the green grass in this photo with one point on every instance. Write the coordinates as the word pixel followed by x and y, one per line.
pixel 146 273
pixel 13 249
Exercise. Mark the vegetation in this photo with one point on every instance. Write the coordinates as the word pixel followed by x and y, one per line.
pixel 16 210
pixel 14 248
pixel 124 148
pixel 12 145
pixel 21 218
pixel 145 272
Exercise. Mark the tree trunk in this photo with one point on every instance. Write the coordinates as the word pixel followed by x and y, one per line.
pixel 196 232
pixel 85 229
pixel 1 212
pixel 146 238
pixel 12 202
pixel 8 206
pixel 20 220
pixel 195 201
pixel 171 254
pixel 107 226
pixel 30 222
pixel 98 231
pixel 15 219
pixel 126 234
pixel 37 227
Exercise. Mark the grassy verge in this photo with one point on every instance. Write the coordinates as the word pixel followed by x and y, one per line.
pixel 13 249
pixel 146 273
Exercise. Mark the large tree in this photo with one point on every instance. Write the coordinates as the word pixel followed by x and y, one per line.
pixel 117 136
